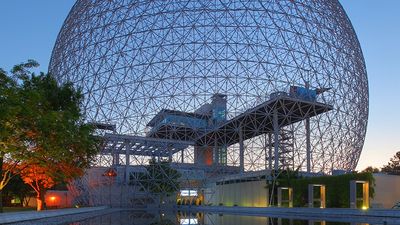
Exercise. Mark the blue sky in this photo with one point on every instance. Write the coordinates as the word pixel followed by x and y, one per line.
pixel 29 29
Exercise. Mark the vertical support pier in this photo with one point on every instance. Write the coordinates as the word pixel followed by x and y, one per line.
pixel 276 140
pixel 115 159
pixel 241 149
pixel 169 153
pixel 308 145
pixel 127 162
pixel 269 151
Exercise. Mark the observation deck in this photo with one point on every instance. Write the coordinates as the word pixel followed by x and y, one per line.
pixel 260 119
pixel 177 125
pixel 144 146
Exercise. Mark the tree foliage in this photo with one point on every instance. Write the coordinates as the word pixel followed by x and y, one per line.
pixel 393 166
pixel 17 188
pixel 371 169
pixel 12 145
pixel 337 188
pixel 56 143
pixel 160 178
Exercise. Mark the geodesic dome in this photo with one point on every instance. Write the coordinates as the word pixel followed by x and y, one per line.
pixel 135 58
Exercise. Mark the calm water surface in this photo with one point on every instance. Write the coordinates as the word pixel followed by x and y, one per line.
pixel 186 218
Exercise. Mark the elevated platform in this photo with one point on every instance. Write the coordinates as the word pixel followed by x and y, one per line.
pixel 145 146
pixel 259 120
pixel 177 125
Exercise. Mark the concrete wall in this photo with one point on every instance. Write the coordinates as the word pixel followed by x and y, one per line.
pixel 387 191
pixel 250 194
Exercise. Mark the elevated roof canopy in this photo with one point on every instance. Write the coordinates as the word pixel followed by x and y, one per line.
pixel 166 112
pixel 145 146
pixel 259 120
pixel 177 125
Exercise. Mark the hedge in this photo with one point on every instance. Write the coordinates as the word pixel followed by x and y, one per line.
pixel 337 188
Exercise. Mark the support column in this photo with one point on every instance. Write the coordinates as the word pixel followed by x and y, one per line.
pixel 308 145
pixel 169 149
pixel 182 156
pixel 127 162
pixel 265 152
pixel 323 196
pixel 115 156
pixel 241 149
pixel 365 195
pixel 276 140
pixel 115 159
pixel 215 152
pixel 169 153
pixel 270 151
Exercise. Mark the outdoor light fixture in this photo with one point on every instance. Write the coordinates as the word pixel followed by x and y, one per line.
pixel 110 173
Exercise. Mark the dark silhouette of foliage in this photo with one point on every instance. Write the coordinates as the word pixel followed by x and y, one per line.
pixel 371 169
pixel 160 179
pixel 393 166
pixel 17 188
pixel 337 188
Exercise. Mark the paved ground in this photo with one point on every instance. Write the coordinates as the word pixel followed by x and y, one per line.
pixel 18 217
pixel 381 216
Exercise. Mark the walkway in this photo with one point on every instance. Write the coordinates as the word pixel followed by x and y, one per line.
pixel 34 215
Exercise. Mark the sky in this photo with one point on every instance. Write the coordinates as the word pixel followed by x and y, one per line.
pixel 29 28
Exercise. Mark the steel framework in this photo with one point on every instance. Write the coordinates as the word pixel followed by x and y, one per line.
pixel 137 61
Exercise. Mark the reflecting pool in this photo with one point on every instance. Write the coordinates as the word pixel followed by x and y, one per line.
pixel 190 218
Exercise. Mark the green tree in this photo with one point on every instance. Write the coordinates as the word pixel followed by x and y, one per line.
pixel 393 166
pixel 57 144
pixel 17 188
pixel 371 169
pixel 160 179
pixel 12 146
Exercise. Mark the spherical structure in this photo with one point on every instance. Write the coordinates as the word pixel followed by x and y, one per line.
pixel 135 58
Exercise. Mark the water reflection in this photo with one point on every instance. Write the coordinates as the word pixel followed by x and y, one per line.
pixel 189 218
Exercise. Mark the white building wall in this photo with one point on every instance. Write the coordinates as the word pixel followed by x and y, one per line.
pixel 248 194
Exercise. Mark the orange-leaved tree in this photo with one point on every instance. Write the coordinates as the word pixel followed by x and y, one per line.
pixel 37 177
pixel 43 177
pixel 58 144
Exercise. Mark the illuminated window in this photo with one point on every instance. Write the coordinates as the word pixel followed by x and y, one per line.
pixel 188 221
pixel 188 193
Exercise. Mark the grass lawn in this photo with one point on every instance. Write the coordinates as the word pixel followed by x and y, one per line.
pixel 17 209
